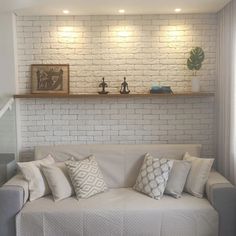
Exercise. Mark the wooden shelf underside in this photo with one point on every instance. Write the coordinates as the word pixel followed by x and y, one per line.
pixel 201 94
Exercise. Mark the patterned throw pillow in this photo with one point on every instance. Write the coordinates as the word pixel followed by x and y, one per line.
pixel 86 177
pixel 153 176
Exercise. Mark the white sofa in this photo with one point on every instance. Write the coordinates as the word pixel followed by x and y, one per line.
pixel 121 211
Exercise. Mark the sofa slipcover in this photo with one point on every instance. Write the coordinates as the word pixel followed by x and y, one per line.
pixel 121 210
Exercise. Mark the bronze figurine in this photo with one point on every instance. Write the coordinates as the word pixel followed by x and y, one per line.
pixel 124 89
pixel 104 85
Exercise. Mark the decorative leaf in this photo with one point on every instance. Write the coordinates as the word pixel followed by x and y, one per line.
pixel 196 58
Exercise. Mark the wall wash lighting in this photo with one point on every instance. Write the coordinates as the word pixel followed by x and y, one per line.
pixel 178 10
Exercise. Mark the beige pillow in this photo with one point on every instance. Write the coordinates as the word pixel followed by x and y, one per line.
pixel 177 178
pixel 58 180
pixel 38 186
pixel 198 175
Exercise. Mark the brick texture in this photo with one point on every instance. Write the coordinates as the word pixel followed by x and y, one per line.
pixel 147 49
pixel 117 120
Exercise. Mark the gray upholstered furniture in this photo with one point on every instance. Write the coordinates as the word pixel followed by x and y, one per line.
pixel 120 211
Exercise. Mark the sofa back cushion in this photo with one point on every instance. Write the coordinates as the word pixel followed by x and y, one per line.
pixel 119 163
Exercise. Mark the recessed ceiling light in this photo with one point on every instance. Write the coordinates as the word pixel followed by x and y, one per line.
pixel 121 11
pixel 65 11
pixel 178 10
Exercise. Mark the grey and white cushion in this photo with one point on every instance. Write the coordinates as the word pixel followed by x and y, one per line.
pixel 86 177
pixel 153 176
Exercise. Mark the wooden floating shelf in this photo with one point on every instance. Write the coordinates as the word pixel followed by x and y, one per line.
pixel 94 95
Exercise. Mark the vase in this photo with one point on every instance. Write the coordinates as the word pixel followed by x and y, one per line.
pixel 195 84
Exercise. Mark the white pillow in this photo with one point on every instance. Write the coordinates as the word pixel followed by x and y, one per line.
pixel 177 178
pixel 198 175
pixel 38 186
pixel 153 176
pixel 86 177
pixel 58 180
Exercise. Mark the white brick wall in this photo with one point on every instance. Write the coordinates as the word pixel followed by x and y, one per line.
pixel 147 49
pixel 153 50
pixel 117 120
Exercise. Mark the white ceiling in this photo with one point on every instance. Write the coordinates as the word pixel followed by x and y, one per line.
pixel 111 7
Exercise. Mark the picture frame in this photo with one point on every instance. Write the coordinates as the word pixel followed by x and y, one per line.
pixel 50 78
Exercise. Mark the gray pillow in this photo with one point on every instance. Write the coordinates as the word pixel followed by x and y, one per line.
pixel 177 178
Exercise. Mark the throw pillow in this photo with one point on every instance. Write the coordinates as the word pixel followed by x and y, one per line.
pixel 153 176
pixel 198 175
pixel 177 178
pixel 86 177
pixel 58 180
pixel 38 186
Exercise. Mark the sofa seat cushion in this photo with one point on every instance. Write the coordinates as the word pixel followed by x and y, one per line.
pixel 118 212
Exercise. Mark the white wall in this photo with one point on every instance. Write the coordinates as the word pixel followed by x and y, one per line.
pixel 7 81
pixel 7 55
pixel 146 49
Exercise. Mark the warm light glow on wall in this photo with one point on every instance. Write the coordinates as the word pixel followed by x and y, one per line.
pixel 173 33
pixel 123 33
pixel 67 33
pixel 66 11
pixel 121 11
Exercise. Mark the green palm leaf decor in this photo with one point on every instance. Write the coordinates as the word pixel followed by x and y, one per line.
pixel 195 60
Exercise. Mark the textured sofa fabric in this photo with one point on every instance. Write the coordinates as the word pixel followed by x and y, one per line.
pixel 121 211
pixel 222 196
pixel 119 164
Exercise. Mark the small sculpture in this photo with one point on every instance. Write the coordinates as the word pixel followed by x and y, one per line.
pixel 124 89
pixel 104 85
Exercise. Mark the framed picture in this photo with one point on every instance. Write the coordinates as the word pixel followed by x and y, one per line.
pixel 50 78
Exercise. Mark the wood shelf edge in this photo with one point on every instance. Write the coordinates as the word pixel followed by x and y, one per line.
pixel 187 94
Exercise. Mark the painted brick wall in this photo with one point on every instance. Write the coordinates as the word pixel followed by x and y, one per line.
pixel 147 49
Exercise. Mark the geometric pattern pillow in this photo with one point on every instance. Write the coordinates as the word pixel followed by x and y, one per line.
pixel 153 176
pixel 86 177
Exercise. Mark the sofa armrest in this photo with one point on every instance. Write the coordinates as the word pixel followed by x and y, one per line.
pixel 222 195
pixel 13 196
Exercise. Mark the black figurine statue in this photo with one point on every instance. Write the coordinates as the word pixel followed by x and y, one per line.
pixel 104 85
pixel 124 89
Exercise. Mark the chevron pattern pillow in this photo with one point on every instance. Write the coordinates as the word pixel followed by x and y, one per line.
pixel 153 176
pixel 86 177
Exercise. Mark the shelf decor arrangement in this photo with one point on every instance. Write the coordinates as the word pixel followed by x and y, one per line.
pixel 115 95
pixel 194 63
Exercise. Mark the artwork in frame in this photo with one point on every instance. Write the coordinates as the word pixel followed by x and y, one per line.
pixel 50 78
